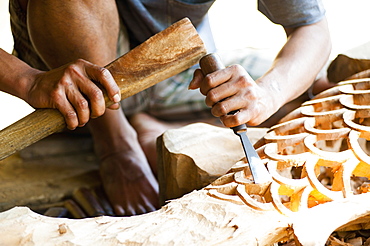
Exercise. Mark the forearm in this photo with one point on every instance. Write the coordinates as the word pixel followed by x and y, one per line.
pixel 298 63
pixel 15 75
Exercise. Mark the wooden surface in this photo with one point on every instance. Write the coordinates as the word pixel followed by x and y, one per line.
pixel 165 54
pixel 192 157
pixel 343 66
pixel 350 62
pixel 195 219
pixel 299 204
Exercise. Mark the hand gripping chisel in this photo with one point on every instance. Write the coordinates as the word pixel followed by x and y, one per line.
pixel 211 63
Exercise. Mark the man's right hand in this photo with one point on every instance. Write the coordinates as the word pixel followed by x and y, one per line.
pixel 70 90
pixel 233 89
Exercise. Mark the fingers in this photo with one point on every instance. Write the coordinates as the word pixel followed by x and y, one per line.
pixel 81 107
pixel 251 111
pixel 105 78
pixel 95 97
pixel 84 96
pixel 244 117
pixel 75 110
pixel 238 93
pixel 197 79
pixel 94 93
pixel 227 90
pixel 68 112
pixel 232 89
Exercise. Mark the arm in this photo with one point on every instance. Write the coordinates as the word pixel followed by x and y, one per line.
pixel 67 88
pixel 297 64
pixel 293 71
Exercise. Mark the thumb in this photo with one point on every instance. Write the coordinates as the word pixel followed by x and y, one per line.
pixel 197 79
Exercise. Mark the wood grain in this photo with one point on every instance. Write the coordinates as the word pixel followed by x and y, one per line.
pixel 163 55
pixel 191 157
pixel 318 186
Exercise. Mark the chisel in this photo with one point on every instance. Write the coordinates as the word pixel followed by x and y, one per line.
pixel 209 64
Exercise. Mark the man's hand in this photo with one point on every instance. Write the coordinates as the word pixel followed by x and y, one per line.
pixel 232 89
pixel 70 90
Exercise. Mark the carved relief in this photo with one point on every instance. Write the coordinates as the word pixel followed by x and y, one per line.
pixel 319 163
pixel 318 153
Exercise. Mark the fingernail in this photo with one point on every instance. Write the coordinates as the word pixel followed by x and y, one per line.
pixel 117 98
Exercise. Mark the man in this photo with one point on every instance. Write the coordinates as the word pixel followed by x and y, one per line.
pixel 49 34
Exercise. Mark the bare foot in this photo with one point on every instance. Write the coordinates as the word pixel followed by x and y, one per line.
pixel 131 188
pixel 125 172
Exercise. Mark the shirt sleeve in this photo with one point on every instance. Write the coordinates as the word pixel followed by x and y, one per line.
pixel 292 13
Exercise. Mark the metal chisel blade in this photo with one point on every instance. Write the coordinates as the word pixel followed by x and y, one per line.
pixel 258 169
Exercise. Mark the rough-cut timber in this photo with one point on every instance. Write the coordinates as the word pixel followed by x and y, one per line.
pixel 319 160
pixel 195 219
pixel 349 62
pixel 320 167
pixel 165 54
pixel 193 156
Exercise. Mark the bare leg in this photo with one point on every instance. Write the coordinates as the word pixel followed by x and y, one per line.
pixel 64 31
pixel 321 85
pixel 125 172
pixel 149 129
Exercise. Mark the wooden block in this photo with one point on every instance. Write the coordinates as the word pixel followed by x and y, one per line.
pixel 349 63
pixel 193 156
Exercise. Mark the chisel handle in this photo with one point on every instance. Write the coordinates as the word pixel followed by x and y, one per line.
pixel 209 64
